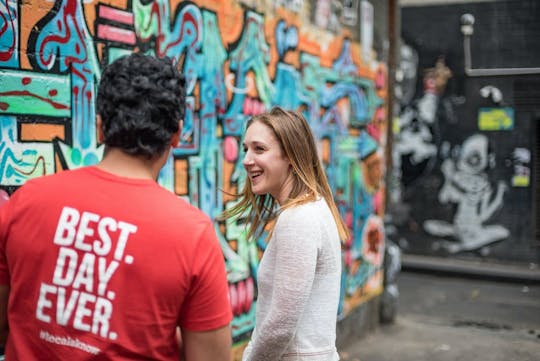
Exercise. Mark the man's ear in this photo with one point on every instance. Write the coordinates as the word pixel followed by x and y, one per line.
pixel 99 129
pixel 175 140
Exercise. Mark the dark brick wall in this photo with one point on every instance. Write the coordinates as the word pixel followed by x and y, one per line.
pixel 506 35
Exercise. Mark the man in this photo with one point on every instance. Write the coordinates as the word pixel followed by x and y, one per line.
pixel 101 262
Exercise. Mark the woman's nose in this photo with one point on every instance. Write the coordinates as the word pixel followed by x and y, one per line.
pixel 247 159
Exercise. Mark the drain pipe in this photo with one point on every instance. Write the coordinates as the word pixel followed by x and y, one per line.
pixel 467 28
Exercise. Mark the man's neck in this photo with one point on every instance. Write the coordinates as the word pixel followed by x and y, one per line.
pixel 119 163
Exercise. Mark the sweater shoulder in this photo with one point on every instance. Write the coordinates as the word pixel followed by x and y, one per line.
pixel 310 216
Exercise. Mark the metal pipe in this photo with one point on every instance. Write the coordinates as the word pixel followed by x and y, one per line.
pixel 467 21
pixel 393 31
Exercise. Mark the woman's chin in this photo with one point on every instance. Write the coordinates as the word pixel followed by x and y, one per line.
pixel 257 191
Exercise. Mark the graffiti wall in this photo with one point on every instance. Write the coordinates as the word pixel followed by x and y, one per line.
pixel 463 146
pixel 240 58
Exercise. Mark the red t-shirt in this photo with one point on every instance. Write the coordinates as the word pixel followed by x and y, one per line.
pixel 103 267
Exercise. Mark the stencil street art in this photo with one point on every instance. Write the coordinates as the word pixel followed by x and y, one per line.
pixel 468 186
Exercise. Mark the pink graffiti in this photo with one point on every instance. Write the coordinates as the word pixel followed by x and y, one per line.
pixel 373 241
pixel 116 15
pixel 252 106
pixel 378 202
pixel 111 33
pixel 230 149
pixel 373 128
pixel 380 78
pixel 241 295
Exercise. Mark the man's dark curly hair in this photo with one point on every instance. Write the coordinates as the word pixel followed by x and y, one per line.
pixel 140 100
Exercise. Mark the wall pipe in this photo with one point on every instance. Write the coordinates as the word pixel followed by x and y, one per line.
pixel 467 28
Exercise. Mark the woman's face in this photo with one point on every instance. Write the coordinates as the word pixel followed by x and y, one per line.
pixel 268 169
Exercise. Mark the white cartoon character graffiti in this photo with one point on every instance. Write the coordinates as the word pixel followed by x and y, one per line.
pixel 467 185
pixel 414 148
pixel 416 138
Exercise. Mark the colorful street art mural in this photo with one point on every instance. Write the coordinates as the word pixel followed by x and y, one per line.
pixel 240 58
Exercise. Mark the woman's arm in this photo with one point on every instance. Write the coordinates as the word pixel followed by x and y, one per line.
pixel 213 345
pixel 296 246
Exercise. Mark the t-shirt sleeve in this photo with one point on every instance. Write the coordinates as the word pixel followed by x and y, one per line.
pixel 297 243
pixel 207 304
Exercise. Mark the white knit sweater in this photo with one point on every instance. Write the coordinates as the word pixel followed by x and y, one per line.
pixel 298 288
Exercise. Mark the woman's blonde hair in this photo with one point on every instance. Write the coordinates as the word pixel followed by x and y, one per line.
pixel 309 179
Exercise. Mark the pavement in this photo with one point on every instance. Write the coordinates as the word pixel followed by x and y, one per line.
pixel 445 313
pixel 489 270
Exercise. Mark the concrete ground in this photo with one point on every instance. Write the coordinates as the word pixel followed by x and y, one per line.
pixel 447 318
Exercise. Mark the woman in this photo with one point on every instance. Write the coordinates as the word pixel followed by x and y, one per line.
pixel 299 273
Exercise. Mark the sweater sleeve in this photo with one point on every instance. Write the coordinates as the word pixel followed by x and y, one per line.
pixel 297 241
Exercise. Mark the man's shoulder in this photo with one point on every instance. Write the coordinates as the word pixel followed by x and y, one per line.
pixel 187 210
pixel 42 183
pixel 176 206
pixel 60 175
